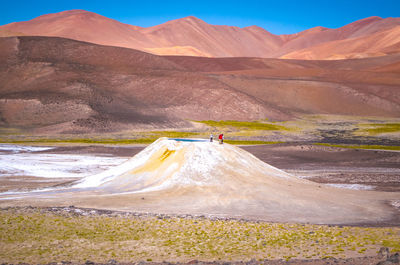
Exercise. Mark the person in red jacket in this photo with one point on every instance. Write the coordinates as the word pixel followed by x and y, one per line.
pixel 221 138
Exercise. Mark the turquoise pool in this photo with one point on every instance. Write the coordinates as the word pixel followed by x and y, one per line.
pixel 188 140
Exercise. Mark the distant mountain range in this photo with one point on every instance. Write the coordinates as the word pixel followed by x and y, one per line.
pixel 369 37
pixel 62 81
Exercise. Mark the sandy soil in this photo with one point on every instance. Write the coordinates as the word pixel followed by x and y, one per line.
pixel 378 169
pixel 25 183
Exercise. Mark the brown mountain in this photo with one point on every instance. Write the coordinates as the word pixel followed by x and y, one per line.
pixel 65 85
pixel 374 38
pixel 311 38
pixel 192 36
pixel 61 85
pixel 81 25
pixel 217 41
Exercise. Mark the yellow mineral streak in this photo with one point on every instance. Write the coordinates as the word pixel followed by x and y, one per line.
pixel 160 159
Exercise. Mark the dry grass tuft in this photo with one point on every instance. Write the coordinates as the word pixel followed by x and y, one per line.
pixel 41 237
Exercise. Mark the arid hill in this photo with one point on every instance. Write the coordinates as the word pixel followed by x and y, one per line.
pixel 377 44
pixel 57 85
pixel 191 36
pixel 71 86
pixel 356 33
pixel 79 25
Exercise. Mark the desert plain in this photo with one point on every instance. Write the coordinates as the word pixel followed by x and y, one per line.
pixel 93 168
pixel 158 234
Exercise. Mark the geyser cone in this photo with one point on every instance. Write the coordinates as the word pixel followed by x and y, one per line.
pixel 184 163
pixel 201 177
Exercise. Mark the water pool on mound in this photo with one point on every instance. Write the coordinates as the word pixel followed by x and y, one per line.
pixel 188 140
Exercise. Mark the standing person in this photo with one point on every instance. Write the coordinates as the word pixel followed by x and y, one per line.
pixel 211 137
pixel 221 138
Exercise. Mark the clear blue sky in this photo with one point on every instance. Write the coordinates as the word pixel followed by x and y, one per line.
pixel 277 16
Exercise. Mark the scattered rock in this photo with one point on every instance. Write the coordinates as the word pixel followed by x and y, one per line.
pixel 383 253
pixel 390 259
pixel 385 263
pixel 395 258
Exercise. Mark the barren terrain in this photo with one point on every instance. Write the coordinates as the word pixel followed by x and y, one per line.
pixel 62 239
pixel 73 235
pixel 103 89
pixel 75 103
pixel 369 37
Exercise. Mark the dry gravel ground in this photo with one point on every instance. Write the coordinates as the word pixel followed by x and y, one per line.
pixel 377 168
pixel 36 235
pixel 70 235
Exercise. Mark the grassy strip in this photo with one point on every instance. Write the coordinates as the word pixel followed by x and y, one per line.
pixel 36 237
pixel 174 134
pixel 379 147
pixel 123 141
pixel 381 128
pixel 144 138
pixel 253 125
pixel 147 138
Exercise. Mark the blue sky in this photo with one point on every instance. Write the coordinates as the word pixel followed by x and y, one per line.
pixel 277 16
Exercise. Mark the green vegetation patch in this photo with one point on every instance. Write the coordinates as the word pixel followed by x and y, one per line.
pixel 377 128
pixel 379 147
pixel 174 134
pixel 252 125
pixel 149 138
pixel 146 137
pixel 127 141
pixel 36 236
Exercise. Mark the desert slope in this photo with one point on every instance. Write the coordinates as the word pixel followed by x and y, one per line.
pixel 81 25
pixel 359 30
pixel 103 88
pixel 218 41
pixel 349 87
pixel 377 44
pixel 106 88
pixel 194 37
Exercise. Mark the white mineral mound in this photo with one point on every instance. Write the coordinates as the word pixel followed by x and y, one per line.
pixel 174 163
pixel 200 177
